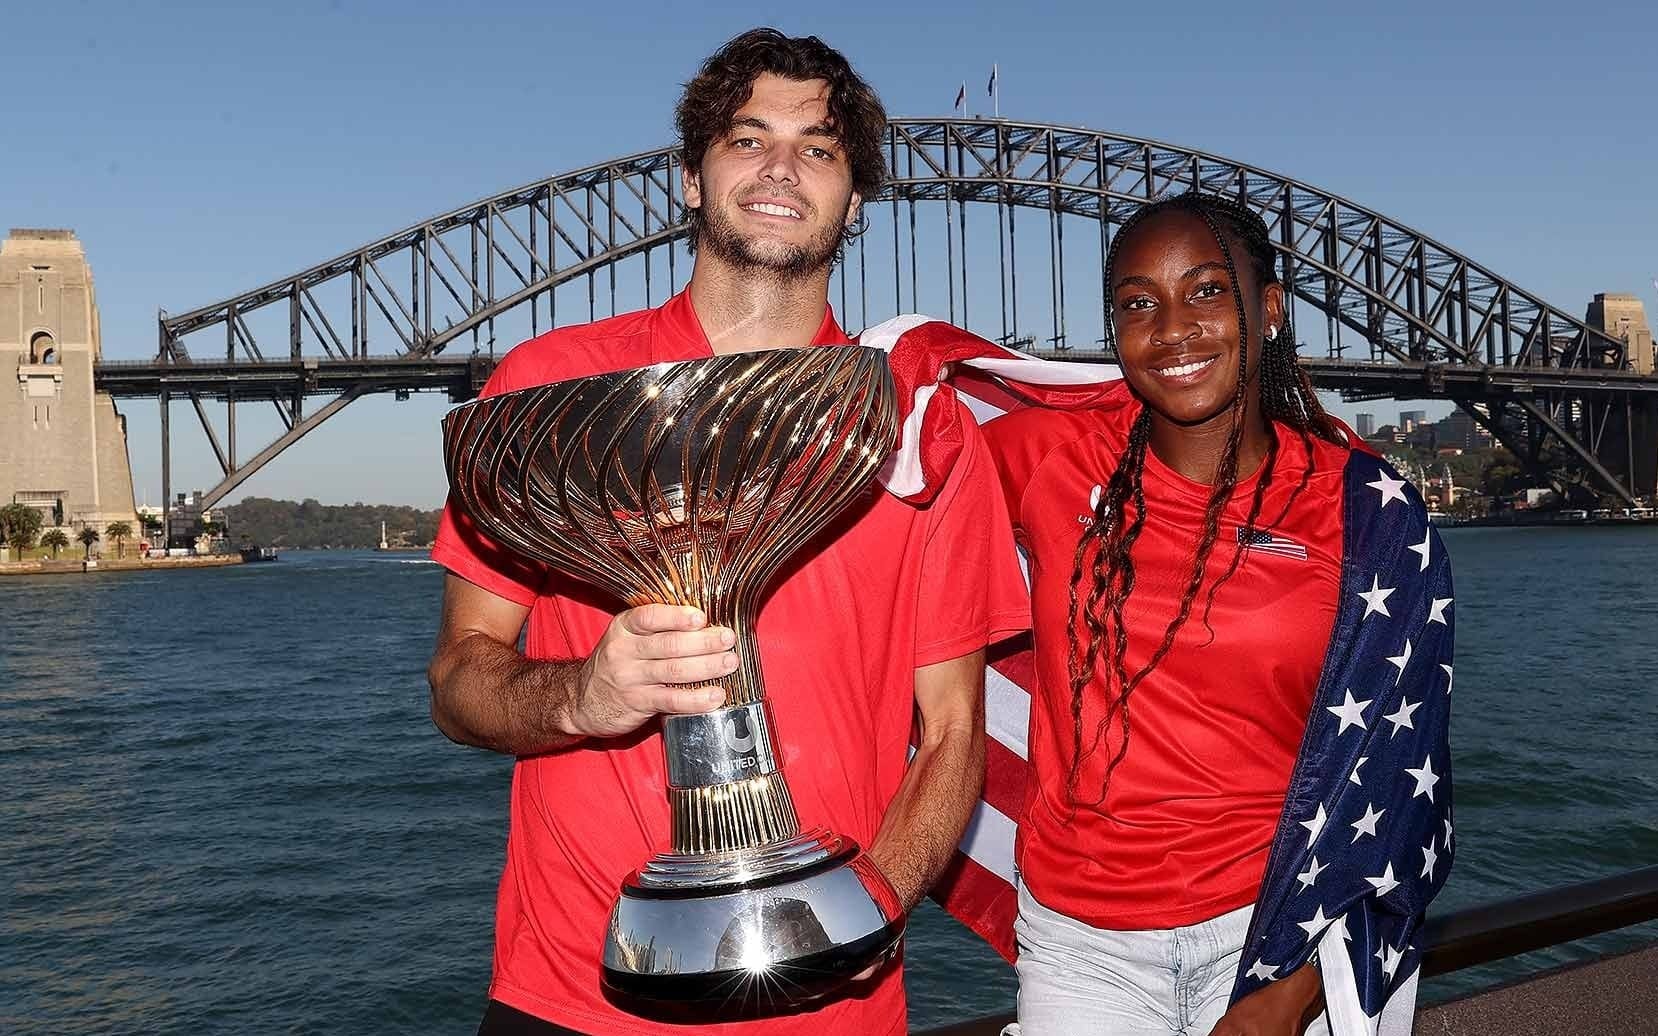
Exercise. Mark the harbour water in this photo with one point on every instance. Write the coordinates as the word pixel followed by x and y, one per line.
pixel 226 810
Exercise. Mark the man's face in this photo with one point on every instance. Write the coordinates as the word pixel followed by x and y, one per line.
pixel 776 190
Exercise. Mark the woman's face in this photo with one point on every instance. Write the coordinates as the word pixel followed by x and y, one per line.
pixel 1177 319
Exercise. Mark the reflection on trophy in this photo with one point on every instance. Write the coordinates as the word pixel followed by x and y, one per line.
pixel 691 483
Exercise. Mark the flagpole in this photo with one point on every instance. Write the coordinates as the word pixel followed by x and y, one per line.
pixel 995 91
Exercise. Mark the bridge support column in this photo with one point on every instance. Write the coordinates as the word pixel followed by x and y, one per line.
pixel 166 475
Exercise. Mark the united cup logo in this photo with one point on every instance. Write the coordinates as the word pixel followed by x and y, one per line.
pixel 742 741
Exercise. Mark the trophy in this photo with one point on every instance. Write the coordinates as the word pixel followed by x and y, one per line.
pixel 691 483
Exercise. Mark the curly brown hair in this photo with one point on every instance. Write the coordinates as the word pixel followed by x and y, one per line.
pixel 726 80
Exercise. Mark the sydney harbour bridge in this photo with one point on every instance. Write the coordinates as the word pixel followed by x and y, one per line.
pixel 996 225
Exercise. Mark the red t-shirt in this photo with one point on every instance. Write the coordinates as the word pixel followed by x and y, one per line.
pixel 841 635
pixel 1184 833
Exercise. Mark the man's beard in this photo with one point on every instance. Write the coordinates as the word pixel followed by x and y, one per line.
pixel 719 236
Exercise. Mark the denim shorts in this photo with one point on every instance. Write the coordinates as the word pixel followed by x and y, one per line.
pixel 1077 980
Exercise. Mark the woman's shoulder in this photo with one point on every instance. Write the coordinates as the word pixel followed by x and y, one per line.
pixel 1328 460
pixel 1358 473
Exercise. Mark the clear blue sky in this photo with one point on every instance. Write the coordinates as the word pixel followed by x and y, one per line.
pixel 201 149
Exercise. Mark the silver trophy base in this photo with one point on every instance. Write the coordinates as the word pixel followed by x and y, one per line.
pixel 768 928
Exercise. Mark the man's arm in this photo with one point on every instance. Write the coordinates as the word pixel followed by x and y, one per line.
pixel 925 820
pixel 485 693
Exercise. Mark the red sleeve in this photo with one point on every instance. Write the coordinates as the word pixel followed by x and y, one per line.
pixel 972 590
pixel 476 558
pixel 467 552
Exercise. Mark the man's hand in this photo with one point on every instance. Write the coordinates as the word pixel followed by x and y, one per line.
pixel 1284 1008
pixel 654 659
pixel 485 693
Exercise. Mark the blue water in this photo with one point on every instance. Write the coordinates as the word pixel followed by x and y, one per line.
pixel 223 807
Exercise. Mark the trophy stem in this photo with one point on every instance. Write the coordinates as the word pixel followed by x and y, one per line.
pixel 726 790
pixel 727 817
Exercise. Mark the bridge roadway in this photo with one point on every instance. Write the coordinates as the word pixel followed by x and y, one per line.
pixel 462 377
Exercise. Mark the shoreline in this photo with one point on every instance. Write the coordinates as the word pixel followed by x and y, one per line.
pixel 77 566
pixel 1542 522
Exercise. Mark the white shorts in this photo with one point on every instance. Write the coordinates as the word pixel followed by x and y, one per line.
pixel 1077 980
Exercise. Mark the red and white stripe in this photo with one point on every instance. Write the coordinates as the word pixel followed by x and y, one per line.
pixel 934 363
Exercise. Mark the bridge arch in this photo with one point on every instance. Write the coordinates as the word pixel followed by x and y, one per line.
pixel 1426 316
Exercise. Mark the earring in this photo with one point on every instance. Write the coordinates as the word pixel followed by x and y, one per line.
pixel 1272 332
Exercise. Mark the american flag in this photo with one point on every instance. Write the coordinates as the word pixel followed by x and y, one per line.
pixel 1366 836
pixel 1264 541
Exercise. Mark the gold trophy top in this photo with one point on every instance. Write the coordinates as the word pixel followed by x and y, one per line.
pixel 680 483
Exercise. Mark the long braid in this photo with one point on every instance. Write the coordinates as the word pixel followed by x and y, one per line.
pixel 1222 492
pixel 1118 706
pixel 1286 393
pixel 1287 397
pixel 1112 574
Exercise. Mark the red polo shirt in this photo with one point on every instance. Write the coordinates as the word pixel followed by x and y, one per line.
pixel 1184 833
pixel 840 637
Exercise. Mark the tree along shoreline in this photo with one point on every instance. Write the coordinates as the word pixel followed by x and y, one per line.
pixel 309 525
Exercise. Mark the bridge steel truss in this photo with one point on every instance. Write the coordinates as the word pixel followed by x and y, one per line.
pixel 1404 315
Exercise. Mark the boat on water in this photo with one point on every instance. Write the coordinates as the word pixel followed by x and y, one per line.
pixel 252 554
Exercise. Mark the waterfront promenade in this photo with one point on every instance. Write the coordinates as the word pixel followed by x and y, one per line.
pixel 82 566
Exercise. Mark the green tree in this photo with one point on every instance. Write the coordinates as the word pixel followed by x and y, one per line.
pixel 55 540
pixel 20 524
pixel 285 523
pixel 1503 474
pixel 120 532
pixel 88 536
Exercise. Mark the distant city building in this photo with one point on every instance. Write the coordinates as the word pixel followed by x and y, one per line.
pixel 63 446
pixel 1459 429
pixel 1409 420
pixel 1367 425
pixel 1624 318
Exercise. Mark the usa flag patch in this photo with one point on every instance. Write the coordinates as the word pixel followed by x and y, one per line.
pixel 1264 542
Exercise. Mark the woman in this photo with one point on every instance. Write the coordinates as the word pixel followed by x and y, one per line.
pixel 1187 538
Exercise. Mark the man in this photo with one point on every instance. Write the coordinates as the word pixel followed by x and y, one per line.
pixel 782 142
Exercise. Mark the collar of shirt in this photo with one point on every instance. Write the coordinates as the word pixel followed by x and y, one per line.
pixel 677 334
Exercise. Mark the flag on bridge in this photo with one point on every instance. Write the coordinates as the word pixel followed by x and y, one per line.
pixel 961 96
pixel 1365 839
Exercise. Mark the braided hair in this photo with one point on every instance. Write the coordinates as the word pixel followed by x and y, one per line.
pixel 1106 551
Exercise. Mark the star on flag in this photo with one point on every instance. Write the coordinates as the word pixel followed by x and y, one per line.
pixel 1391 488
pixel 1366 825
pixel 1350 712
pixel 1375 599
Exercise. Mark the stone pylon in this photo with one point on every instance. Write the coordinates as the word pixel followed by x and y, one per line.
pixel 1623 317
pixel 63 446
